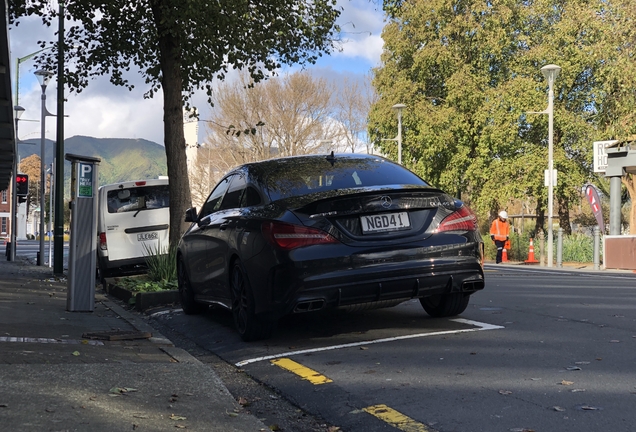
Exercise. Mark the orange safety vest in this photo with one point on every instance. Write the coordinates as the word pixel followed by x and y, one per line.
pixel 500 229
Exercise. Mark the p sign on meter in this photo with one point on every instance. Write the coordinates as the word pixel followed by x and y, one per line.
pixel 85 180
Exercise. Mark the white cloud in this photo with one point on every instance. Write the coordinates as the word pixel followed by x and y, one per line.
pixel 361 24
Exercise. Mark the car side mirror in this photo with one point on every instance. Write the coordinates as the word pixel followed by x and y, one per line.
pixel 191 214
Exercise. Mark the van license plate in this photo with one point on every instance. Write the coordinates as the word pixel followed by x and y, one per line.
pixel 148 236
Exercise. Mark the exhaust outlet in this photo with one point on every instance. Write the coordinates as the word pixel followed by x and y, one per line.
pixel 309 306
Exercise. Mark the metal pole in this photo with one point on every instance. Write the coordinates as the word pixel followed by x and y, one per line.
pixel 14 198
pixel 615 205
pixel 42 174
pixel 399 137
pixel 560 248
pixel 597 248
pixel 58 253
pixel 50 224
pixel 550 168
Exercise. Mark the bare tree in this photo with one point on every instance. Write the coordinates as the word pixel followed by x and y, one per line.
pixel 352 104
pixel 283 116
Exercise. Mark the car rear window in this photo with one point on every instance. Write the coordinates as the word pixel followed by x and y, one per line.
pixel 293 177
pixel 138 198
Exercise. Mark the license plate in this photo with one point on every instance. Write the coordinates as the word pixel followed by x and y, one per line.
pixel 385 222
pixel 148 236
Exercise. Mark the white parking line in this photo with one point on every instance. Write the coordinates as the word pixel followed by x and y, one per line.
pixel 479 327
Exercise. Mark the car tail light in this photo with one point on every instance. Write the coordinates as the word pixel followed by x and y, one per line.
pixel 460 220
pixel 140 183
pixel 102 241
pixel 288 236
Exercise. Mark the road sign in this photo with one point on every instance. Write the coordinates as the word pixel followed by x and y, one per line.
pixel 85 180
pixel 600 155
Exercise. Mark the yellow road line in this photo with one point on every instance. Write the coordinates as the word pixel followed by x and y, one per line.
pixel 397 419
pixel 304 372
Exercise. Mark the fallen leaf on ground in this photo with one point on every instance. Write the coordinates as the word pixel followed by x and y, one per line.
pixel 588 408
pixel 558 408
pixel 364 348
pixel 505 392
pixel 176 417
pixel 242 401
pixel 274 427
pixel 573 368
pixel 566 383
pixel 577 390
pixel 75 353
pixel 333 429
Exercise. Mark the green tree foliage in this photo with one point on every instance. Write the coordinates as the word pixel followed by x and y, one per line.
pixel 469 73
pixel 180 46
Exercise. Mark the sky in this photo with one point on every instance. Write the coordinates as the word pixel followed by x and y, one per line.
pixel 106 111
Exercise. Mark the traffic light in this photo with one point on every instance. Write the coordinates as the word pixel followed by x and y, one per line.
pixel 22 185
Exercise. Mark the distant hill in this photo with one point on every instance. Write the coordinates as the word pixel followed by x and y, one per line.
pixel 122 159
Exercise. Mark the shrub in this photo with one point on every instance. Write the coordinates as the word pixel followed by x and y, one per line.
pixel 577 248
pixel 162 265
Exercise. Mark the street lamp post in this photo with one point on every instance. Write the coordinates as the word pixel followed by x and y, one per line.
pixel 550 72
pixel 49 228
pixel 18 111
pixel 399 107
pixel 43 77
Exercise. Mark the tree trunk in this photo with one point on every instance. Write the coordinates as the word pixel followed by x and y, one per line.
pixel 630 184
pixel 174 138
pixel 564 215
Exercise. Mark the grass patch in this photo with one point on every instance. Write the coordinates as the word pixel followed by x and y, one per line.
pixel 143 283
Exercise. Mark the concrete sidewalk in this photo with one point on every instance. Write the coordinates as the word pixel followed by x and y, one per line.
pixel 53 377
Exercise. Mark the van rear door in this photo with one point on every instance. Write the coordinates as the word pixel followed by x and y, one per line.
pixel 137 220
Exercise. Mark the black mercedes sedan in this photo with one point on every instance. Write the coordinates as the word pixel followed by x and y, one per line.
pixel 305 233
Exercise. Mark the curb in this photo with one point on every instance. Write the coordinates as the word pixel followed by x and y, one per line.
pixel 165 344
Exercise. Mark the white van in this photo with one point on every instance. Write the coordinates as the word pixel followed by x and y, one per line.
pixel 133 218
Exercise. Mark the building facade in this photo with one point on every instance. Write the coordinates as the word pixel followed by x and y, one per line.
pixel 5 214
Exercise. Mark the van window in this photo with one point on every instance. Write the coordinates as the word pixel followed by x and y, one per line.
pixel 138 198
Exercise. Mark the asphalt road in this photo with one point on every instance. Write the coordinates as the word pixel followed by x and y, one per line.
pixel 30 248
pixel 535 351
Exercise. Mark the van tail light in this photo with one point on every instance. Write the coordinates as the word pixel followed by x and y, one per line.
pixel 287 236
pixel 102 241
pixel 460 220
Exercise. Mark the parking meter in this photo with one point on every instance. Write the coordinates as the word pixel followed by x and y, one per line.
pixel 83 242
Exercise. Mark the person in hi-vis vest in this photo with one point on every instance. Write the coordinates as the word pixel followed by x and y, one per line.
pixel 500 232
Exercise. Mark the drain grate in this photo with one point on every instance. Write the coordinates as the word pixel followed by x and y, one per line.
pixel 115 335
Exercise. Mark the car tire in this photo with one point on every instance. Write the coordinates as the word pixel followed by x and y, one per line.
pixel 445 305
pixel 186 295
pixel 247 324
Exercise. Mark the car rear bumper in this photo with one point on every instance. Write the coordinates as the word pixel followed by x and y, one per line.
pixel 380 278
pixel 403 283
